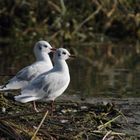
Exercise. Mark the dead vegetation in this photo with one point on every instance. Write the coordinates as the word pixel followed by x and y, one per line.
pixel 70 120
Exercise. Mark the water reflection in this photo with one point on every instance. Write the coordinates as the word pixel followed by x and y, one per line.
pixel 112 70
pixel 109 82
pixel 105 69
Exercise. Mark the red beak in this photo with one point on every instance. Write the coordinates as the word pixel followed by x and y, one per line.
pixel 53 49
pixel 72 56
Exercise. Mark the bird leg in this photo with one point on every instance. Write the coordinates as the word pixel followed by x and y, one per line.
pixel 52 107
pixel 34 106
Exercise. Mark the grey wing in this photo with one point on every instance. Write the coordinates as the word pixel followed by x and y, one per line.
pixel 34 87
pixel 36 84
pixel 54 84
pixel 26 73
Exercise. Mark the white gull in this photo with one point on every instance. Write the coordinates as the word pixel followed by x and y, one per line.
pixel 43 63
pixel 51 84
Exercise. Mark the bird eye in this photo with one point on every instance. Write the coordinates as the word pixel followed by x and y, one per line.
pixel 64 53
pixel 45 46
pixel 40 48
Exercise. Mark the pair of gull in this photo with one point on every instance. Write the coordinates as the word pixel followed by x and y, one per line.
pixel 42 80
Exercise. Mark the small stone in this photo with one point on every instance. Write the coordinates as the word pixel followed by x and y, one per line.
pixel 63 121
pixel 83 107
pixel 3 109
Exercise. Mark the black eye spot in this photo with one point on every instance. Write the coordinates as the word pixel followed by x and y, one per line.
pixel 64 53
pixel 40 48
pixel 45 46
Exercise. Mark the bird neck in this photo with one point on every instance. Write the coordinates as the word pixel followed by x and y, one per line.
pixel 61 65
pixel 44 57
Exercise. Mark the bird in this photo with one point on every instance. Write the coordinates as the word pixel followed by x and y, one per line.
pixel 24 76
pixel 49 85
pixel 42 64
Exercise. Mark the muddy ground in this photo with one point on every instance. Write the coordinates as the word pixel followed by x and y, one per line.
pixel 72 119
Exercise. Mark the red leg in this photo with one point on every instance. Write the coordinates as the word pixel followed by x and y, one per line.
pixel 34 106
pixel 52 107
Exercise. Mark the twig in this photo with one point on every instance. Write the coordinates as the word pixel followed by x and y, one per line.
pixel 120 137
pixel 107 123
pixel 63 7
pixel 87 19
pixel 33 137
pixel 112 133
pixel 106 135
pixel 55 7
pixel 9 129
pixel 124 117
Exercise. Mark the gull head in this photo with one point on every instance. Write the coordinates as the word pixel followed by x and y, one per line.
pixel 62 54
pixel 42 46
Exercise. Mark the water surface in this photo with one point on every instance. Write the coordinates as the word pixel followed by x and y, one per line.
pixel 104 69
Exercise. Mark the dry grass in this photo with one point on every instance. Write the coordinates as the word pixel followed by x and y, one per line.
pixel 70 120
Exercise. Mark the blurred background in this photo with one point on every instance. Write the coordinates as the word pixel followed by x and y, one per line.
pixel 104 34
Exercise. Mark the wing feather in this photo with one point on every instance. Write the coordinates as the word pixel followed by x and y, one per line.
pixel 26 74
pixel 44 85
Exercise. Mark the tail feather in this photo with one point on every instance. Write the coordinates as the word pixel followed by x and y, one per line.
pixel 9 87
pixel 13 85
pixel 3 88
pixel 25 98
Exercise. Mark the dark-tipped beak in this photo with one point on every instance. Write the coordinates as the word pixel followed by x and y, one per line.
pixel 53 49
pixel 72 56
